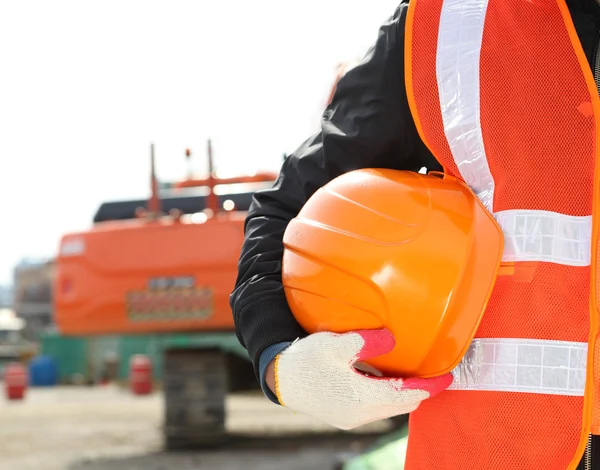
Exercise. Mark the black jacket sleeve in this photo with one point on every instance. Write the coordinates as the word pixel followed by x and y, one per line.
pixel 368 124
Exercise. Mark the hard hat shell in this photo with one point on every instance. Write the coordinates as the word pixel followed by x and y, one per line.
pixel 378 248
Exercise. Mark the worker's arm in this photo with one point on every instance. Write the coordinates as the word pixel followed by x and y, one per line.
pixel 367 124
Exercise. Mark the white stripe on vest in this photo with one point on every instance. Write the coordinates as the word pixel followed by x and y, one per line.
pixel 523 365
pixel 458 50
pixel 546 236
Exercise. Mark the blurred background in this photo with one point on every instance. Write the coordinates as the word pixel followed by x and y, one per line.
pixel 95 359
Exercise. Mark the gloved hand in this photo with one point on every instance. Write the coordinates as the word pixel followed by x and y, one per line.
pixel 317 376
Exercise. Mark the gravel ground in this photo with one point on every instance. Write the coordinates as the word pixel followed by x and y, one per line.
pixel 106 428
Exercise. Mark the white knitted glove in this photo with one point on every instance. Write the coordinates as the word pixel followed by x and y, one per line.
pixel 316 376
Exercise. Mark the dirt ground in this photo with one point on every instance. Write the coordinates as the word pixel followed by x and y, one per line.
pixel 106 428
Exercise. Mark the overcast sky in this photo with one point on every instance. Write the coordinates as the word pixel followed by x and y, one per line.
pixel 86 86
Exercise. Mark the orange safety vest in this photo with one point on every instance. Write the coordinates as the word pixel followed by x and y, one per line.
pixel 503 96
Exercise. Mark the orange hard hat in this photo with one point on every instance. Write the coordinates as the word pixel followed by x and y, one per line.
pixel 416 254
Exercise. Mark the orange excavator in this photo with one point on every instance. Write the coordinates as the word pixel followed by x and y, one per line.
pixel 167 268
pixel 164 269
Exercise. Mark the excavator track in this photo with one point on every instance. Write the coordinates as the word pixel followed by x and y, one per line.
pixel 195 388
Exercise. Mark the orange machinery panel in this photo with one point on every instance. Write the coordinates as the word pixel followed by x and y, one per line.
pixel 142 276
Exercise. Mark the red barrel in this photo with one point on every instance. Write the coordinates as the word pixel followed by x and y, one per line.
pixel 140 375
pixel 15 381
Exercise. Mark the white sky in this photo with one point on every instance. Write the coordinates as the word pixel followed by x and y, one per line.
pixel 86 86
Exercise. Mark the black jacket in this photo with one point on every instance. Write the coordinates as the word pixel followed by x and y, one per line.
pixel 368 124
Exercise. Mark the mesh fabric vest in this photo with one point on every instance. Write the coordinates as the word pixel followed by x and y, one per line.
pixel 503 96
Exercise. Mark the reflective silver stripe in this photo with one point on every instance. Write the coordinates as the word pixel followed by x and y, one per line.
pixel 546 236
pixel 520 365
pixel 457 63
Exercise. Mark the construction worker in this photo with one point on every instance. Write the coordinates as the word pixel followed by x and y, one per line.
pixel 502 94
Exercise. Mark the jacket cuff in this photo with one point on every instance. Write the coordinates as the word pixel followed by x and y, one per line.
pixel 265 359
pixel 264 323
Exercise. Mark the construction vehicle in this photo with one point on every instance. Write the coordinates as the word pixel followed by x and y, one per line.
pixel 145 270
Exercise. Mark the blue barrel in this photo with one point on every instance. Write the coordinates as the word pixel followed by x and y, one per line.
pixel 43 372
